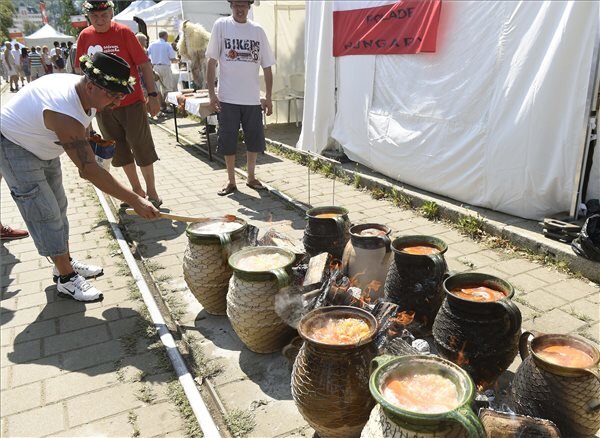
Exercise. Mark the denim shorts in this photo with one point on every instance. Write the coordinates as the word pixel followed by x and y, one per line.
pixel 36 186
pixel 230 117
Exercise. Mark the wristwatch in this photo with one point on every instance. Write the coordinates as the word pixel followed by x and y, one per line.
pixel 153 94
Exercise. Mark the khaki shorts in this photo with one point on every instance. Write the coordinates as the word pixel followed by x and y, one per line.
pixel 129 127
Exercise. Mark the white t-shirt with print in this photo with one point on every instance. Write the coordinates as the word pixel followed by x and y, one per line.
pixel 240 49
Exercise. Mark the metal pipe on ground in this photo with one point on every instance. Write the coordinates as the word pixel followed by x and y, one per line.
pixel 205 421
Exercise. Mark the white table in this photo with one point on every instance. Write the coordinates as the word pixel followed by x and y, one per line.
pixel 199 106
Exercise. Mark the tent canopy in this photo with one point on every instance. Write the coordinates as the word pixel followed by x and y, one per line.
pixel 494 118
pixel 46 36
pixel 133 10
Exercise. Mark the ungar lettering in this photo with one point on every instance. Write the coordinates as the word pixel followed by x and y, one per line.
pixel 397 14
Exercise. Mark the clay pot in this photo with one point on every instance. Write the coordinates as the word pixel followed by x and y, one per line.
pixel 366 259
pixel 205 267
pixel 390 421
pixel 327 234
pixel 570 397
pixel 414 282
pixel 481 337
pixel 251 301
pixel 330 383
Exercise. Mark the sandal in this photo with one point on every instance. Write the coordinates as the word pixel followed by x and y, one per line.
pixel 256 185
pixel 228 189
pixel 156 202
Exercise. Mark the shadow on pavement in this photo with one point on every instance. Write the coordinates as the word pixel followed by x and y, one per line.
pixel 218 330
pixel 272 372
pixel 9 261
pixel 90 345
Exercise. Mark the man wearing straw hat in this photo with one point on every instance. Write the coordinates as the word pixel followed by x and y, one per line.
pixel 48 117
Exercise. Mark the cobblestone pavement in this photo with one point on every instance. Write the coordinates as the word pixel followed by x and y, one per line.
pixel 71 369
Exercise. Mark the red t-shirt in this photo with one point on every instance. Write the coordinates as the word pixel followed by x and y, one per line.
pixel 121 41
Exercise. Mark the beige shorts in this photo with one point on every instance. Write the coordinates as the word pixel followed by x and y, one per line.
pixel 129 127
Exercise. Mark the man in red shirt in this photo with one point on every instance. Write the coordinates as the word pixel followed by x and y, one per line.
pixel 127 124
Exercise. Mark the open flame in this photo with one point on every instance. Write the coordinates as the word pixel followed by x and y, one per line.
pixel 461 359
pixel 404 318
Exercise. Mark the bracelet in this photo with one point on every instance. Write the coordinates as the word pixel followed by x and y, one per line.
pixel 153 94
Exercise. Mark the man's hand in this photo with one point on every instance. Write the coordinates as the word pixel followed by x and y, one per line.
pixel 153 105
pixel 215 105
pixel 144 208
pixel 267 105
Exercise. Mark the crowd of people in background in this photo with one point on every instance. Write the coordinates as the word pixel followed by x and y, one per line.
pixel 21 64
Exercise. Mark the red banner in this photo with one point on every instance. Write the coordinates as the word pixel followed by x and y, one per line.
pixel 408 26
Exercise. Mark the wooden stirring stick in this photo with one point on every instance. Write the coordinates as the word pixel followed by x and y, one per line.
pixel 177 217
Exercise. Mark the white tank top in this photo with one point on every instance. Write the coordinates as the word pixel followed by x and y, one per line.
pixel 22 118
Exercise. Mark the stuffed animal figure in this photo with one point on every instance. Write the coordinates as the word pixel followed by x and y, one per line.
pixel 192 45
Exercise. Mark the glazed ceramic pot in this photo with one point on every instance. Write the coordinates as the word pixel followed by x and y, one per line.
pixel 330 383
pixel 481 337
pixel 367 258
pixel 205 267
pixel 388 420
pixel 414 282
pixel 327 230
pixel 568 396
pixel 251 299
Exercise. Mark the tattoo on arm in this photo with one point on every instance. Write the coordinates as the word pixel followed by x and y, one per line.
pixel 81 147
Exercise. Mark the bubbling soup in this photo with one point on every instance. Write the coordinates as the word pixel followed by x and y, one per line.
pixel 566 356
pixel 262 262
pixel 216 227
pixel 424 393
pixel 420 250
pixel 372 232
pixel 478 293
pixel 328 215
pixel 339 331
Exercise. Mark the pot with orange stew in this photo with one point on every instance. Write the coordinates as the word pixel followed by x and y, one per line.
pixel 478 325
pixel 330 377
pixel 558 380
pixel 414 279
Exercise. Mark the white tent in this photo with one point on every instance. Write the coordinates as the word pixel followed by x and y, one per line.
pixel 46 36
pixel 126 15
pixel 495 118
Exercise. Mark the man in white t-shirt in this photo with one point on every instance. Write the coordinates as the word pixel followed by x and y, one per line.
pixel 48 117
pixel 162 55
pixel 240 47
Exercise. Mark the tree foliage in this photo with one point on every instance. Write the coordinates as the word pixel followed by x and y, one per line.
pixel 64 21
pixel 29 27
pixel 7 11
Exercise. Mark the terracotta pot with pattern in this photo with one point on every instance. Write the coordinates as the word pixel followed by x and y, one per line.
pixel 479 336
pixel 251 297
pixel 330 383
pixel 545 386
pixel 327 230
pixel 414 281
pixel 205 267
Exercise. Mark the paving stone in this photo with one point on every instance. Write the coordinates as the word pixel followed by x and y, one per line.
pixel 527 282
pixel 241 394
pixel 548 274
pixel 97 316
pixel 554 321
pixel 75 383
pixel 48 420
pixel 93 355
pixel 515 266
pixel 76 339
pixel 21 353
pixel 157 419
pixel 573 289
pixel 21 399
pixel 96 405
pixel 585 310
pixel 20 318
pixel 476 260
pixel 592 333
pixel 115 426
pixel 35 371
pixel 6 336
pixel 33 300
pixel 542 300
pixel 269 419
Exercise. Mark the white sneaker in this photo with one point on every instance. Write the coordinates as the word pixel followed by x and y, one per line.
pixel 86 271
pixel 78 289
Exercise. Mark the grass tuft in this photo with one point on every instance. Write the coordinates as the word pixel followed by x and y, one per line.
pixel 240 423
pixel 430 210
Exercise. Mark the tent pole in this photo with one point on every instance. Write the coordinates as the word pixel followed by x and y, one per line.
pixel 588 125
